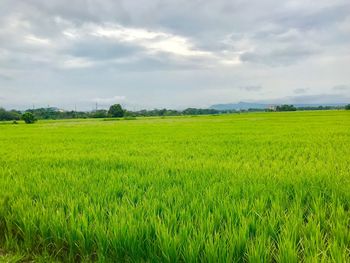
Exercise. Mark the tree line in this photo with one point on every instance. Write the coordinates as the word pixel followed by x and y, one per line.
pixel 117 111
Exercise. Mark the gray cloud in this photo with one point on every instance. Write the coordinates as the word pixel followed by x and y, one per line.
pixel 341 88
pixel 321 98
pixel 279 56
pixel 5 77
pixel 99 49
pixel 300 90
pixel 251 88
pixel 327 98
pixel 168 52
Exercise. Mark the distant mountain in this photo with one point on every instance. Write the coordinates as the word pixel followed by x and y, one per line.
pixel 249 105
pixel 320 104
pixel 239 106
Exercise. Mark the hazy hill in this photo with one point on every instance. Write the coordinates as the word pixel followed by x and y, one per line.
pixel 250 105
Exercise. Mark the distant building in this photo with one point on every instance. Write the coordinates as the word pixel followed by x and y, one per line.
pixel 272 107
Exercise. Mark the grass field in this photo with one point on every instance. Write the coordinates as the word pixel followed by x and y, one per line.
pixel 244 187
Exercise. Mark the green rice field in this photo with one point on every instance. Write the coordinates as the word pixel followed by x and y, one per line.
pixel 256 187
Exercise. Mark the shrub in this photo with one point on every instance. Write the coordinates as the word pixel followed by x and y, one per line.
pixel 129 118
pixel 28 117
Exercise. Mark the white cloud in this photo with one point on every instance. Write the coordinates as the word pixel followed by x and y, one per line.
pixel 153 42
pixel 70 34
pixel 34 40
pixel 72 63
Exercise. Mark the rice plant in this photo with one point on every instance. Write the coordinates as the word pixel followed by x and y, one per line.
pixel 260 187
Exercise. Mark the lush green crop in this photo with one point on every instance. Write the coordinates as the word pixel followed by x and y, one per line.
pixel 249 187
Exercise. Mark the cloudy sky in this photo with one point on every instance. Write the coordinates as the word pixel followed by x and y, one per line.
pixel 175 54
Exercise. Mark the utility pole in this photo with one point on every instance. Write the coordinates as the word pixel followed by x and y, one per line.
pixel 96 106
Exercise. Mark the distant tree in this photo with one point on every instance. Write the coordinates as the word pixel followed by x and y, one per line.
pixel 99 114
pixel 286 107
pixel 162 112
pixel 54 113
pixel 28 117
pixel 195 111
pixel 347 107
pixel 9 115
pixel 116 110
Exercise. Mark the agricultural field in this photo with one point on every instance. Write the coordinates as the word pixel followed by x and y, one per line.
pixel 257 187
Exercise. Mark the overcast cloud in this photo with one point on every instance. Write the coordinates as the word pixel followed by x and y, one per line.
pixel 174 54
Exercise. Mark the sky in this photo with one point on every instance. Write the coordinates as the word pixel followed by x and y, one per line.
pixel 173 54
